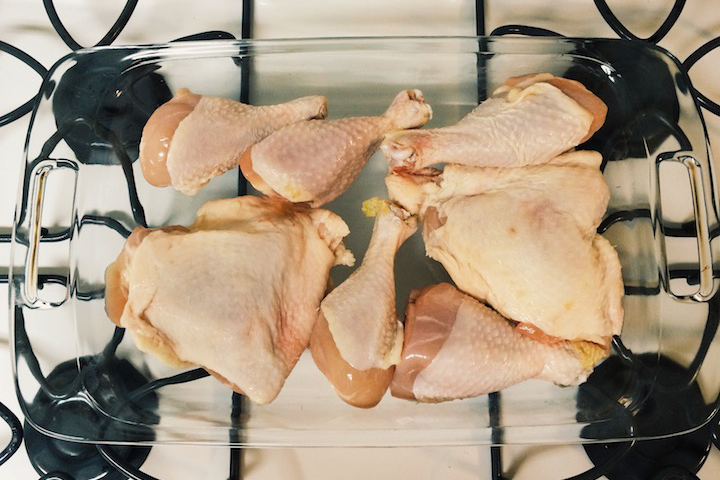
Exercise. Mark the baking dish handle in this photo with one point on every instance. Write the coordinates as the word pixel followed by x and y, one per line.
pixel 36 186
pixel 700 197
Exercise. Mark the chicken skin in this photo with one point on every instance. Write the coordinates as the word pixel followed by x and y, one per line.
pixel 359 388
pixel 365 334
pixel 316 161
pixel 455 347
pixel 193 138
pixel 524 241
pixel 528 121
pixel 237 292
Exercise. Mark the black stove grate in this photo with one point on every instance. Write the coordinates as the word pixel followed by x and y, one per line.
pixel 16 436
pixel 683 455
pixel 108 462
pixel 65 131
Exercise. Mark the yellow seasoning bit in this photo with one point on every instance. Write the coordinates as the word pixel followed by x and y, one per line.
pixel 294 194
pixel 375 205
pixel 590 353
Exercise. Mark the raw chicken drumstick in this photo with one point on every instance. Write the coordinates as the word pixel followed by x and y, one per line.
pixel 316 161
pixel 358 337
pixel 456 347
pixel 528 121
pixel 524 241
pixel 237 292
pixel 193 138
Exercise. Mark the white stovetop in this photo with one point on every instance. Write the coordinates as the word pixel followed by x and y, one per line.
pixel 25 25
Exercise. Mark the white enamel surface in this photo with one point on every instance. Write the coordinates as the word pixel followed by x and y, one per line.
pixel 24 24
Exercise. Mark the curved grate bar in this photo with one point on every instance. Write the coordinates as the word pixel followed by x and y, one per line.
pixel 691 60
pixel 623 32
pixel 109 37
pixel 116 461
pixel 524 30
pixel 184 377
pixel 26 107
pixel 16 433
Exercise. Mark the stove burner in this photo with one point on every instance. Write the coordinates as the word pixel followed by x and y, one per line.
pixel 653 408
pixel 116 116
pixel 80 461
pixel 715 431
pixel 108 383
pixel 675 473
pixel 122 112
pixel 673 458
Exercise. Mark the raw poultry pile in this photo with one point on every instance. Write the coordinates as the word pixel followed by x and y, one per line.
pixel 512 217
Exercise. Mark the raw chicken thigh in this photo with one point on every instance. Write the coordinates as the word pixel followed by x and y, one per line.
pixel 316 161
pixel 237 292
pixel 193 138
pixel 524 240
pixel 456 347
pixel 365 335
pixel 528 121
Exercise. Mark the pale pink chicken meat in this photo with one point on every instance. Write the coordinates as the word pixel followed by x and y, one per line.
pixel 528 121
pixel 455 347
pixel 524 241
pixel 360 313
pixel 237 292
pixel 194 138
pixel 316 161
pixel 359 388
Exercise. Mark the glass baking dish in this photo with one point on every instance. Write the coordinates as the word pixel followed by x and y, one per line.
pixel 79 378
